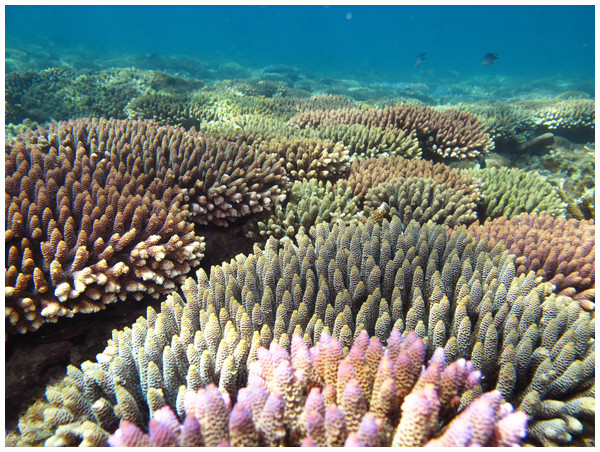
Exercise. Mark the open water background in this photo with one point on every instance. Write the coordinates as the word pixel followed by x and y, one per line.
pixel 367 43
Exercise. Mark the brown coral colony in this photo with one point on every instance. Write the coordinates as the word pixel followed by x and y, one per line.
pixel 99 210
pixel 452 133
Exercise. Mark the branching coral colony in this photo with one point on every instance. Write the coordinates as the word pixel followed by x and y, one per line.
pixel 535 348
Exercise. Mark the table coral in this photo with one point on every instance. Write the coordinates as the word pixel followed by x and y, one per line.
pixel 364 141
pixel 567 114
pixel 422 200
pixel 309 202
pixel 309 157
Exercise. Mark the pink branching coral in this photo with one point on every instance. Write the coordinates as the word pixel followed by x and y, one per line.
pixel 322 396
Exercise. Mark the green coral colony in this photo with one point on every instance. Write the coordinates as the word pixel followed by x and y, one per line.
pixel 386 296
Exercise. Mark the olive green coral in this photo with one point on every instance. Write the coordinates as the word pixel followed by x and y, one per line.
pixel 364 141
pixel 567 114
pixel 451 133
pixel 511 191
pixel 505 122
pixel 368 173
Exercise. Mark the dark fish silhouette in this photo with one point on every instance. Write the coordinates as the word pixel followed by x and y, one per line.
pixel 489 58
pixel 419 59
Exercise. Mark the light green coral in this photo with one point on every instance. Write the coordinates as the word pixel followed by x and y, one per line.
pixel 511 191
pixel 310 202
pixel 364 141
pixel 422 199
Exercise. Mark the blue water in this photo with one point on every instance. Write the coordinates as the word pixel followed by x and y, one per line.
pixel 368 43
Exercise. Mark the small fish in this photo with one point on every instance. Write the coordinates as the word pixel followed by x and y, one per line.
pixel 420 59
pixel 489 58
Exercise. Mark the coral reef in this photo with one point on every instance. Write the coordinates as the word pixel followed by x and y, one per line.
pixel 511 191
pixel 320 397
pixel 504 122
pixel 57 93
pixel 451 133
pixel 368 173
pixel 98 210
pixel 571 168
pixel 88 223
pixel 166 108
pixel 561 251
pixel 368 312
pixel 224 180
pixel 508 326
pixel 361 141
pixel 142 368
pixel 423 200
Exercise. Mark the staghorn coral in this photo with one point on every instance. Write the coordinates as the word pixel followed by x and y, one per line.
pixel 511 191
pixel 336 400
pixel 368 173
pixel 415 198
pixel 309 202
pixel 87 224
pixel 561 251
pixel 530 345
pixel 451 133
